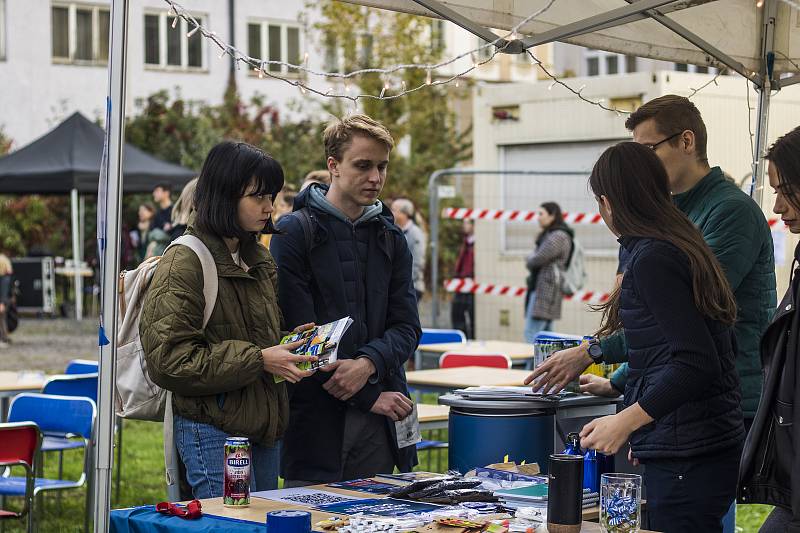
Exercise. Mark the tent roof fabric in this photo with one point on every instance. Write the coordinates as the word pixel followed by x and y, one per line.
pixel 68 157
pixel 733 26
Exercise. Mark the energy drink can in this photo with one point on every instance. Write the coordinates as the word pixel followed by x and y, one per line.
pixel 238 459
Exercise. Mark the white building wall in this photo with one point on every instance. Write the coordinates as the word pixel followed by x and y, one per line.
pixel 556 116
pixel 37 93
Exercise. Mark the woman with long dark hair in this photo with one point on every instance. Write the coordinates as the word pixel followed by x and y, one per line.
pixel 222 376
pixel 545 264
pixel 682 416
pixel 770 468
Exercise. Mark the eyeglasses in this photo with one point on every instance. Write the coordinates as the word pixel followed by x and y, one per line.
pixel 654 146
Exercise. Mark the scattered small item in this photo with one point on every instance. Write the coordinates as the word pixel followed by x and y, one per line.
pixel 192 510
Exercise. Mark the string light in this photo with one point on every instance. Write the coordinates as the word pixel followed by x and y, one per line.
pixel 174 22
pixel 760 3
pixel 493 46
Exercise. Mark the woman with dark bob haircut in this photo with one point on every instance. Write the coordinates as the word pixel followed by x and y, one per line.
pixel 682 416
pixel 222 376
pixel 770 469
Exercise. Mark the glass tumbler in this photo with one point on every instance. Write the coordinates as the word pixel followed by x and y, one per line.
pixel 620 503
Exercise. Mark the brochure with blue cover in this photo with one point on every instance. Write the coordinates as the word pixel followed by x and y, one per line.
pixel 380 506
pixel 365 485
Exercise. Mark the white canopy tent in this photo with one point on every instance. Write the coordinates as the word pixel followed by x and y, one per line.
pixel 761 43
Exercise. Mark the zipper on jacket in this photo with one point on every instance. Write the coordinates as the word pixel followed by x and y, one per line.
pixel 766 455
pixel 360 286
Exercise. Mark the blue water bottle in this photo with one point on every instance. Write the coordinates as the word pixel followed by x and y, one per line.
pixel 591 475
pixel 573 446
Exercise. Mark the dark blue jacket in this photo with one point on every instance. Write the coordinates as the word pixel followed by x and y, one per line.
pixel 322 288
pixel 682 365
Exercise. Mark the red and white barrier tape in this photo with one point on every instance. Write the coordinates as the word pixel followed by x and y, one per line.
pixel 460 213
pixel 467 285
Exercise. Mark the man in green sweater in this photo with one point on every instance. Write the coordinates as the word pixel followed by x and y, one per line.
pixel 732 224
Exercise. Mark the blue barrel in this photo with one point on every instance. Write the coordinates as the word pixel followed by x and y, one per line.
pixel 480 439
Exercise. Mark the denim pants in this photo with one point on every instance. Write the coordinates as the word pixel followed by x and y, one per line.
pixel 534 325
pixel 202 447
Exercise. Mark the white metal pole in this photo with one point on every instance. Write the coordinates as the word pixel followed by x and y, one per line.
pixel 109 210
pixel 757 187
pixel 77 255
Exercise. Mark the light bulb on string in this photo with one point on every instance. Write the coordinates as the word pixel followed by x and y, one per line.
pixel 305 59
pixel 222 54
pixel 172 11
pixel 428 80
pixel 760 3
pixel 175 22
pixel 550 87
pixel 457 84
pixel 404 85
pixel 347 88
pixel 193 31
pixel 474 61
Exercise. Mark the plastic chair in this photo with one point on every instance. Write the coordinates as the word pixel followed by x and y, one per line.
pixel 437 336
pixel 19 445
pixel 490 360
pixel 82 366
pixel 56 416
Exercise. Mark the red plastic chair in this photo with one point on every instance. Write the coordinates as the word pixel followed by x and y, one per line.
pixel 20 442
pixel 491 360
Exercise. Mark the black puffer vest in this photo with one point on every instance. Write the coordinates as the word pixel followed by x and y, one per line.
pixel 712 421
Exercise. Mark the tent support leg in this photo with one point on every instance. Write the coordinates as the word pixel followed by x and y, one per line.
pixel 76 255
pixel 108 206
pixel 770 10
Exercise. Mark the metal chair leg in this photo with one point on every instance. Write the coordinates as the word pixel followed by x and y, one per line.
pixel 60 476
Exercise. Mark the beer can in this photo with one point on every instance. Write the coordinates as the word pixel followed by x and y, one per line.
pixel 238 461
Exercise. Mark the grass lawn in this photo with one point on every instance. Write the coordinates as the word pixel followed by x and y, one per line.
pixel 143 482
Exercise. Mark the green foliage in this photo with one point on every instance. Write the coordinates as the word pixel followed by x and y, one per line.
pixel 34 221
pixel 5 142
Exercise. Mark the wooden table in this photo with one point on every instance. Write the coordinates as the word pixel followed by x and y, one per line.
pixel 446 379
pixel 432 416
pixel 260 507
pixel 12 383
pixel 521 353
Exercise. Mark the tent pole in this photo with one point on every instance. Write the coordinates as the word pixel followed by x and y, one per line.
pixel 109 212
pixel 76 256
pixel 770 10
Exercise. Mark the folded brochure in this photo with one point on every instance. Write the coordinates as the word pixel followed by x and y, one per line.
pixel 320 341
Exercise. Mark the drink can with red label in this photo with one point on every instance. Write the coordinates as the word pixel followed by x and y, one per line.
pixel 238 459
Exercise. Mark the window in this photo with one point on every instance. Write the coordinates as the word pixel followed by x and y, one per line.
pixel 278 41
pixel 168 47
pixel 601 63
pixel 437 36
pixel 331 54
pixel 2 30
pixel 79 33
pixel 697 69
pixel 365 51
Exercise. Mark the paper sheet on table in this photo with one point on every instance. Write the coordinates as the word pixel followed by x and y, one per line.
pixel 303 496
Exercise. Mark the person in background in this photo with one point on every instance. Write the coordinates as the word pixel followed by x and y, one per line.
pixel 732 224
pixel 404 217
pixel 284 201
pixel 348 258
pixel 322 177
pixel 683 415
pixel 223 375
pixel 462 310
pixel 162 197
pixel 6 281
pixel 139 235
pixel 182 210
pixel 770 467
pixel 545 264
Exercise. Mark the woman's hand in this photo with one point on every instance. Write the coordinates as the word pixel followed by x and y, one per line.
pixel 599 386
pixel 280 361
pixel 304 327
pixel 609 433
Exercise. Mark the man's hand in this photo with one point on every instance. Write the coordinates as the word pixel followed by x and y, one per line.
pixel 349 377
pixel 598 386
pixel 559 369
pixel 395 405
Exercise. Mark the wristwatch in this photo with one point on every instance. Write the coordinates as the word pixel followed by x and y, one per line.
pixel 595 351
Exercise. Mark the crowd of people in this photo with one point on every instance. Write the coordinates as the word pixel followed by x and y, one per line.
pixel 692 314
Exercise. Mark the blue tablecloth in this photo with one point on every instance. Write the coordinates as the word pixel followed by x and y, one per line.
pixel 147 520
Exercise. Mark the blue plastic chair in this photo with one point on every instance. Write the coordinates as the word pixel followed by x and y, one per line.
pixel 437 336
pixel 56 416
pixel 82 366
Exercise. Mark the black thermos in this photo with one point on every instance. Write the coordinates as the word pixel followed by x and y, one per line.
pixel 565 493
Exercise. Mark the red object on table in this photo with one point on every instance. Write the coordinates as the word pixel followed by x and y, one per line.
pixel 191 511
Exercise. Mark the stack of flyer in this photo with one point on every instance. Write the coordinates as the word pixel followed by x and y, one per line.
pixel 486 392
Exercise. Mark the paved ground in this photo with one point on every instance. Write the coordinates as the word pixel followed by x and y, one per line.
pixel 47 344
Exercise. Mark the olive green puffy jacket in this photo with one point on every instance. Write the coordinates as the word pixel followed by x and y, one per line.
pixel 217 375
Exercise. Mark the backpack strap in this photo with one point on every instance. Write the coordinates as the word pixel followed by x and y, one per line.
pixel 210 280
pixel 305 222
pixel 210 290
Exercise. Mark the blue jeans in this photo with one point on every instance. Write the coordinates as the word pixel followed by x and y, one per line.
pixel 202 448
pixel 534 325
